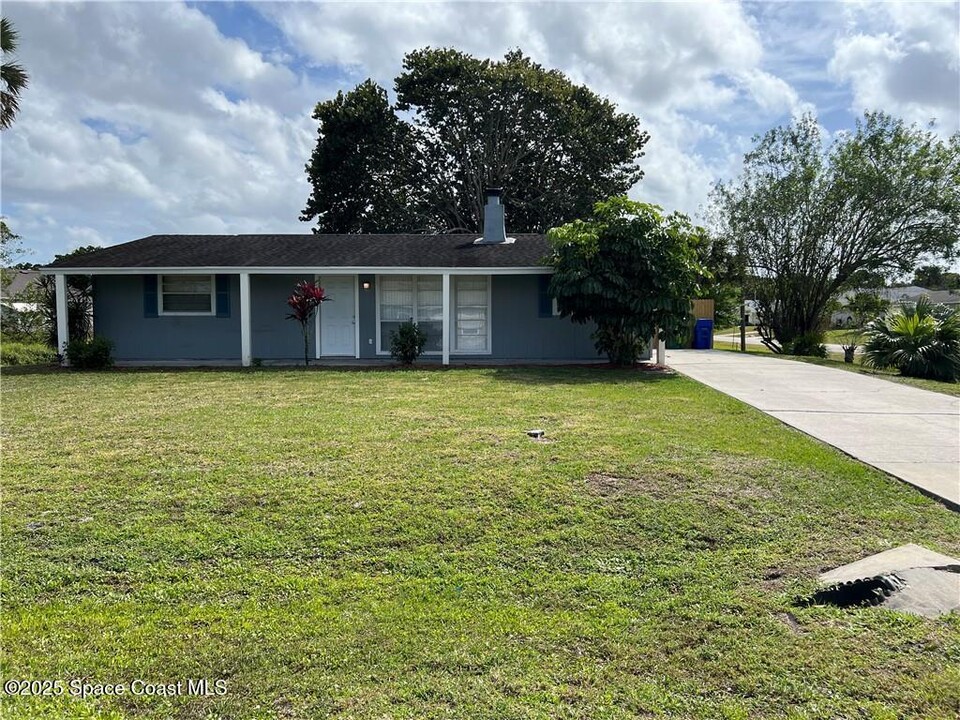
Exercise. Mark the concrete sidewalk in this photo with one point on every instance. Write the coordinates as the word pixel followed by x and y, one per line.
pixel 910 433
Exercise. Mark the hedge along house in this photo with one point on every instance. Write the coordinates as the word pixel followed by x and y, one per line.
pixel 221 299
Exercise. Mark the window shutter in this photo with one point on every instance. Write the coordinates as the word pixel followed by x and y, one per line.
pixel 545 308
pixel 150 296
pixel 223 296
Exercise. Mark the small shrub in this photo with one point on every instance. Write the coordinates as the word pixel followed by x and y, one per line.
pixel 921 340
pixel 808 345
pixel 406 343
pixel 303 302
pixel 93 354
pixel 849 343
pixel 19 353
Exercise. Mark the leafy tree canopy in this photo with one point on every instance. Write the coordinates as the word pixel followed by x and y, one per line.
pixel 357 169
pixel 866 306
pixel 461 124
pixel 11 245
pixel 935 277
pixel 630 269
pixel 809 218
pixel 11 248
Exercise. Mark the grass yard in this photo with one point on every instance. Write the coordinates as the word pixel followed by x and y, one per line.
pixel 391 544
pixel 839 336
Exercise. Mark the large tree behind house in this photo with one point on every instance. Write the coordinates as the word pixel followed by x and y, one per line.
pixel 461 124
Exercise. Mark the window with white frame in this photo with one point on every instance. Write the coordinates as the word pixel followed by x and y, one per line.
pixel 411 297
pixel 471 312
pixel 186 295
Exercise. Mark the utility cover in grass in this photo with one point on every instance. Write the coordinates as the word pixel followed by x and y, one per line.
pixel 909 578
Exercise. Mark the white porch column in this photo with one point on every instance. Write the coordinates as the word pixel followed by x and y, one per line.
pixel 246 357
pixel 446 318
pixel 63 325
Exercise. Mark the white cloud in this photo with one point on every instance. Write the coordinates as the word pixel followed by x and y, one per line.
pixel 666 54
pixel 903 58
pixel 144 118
pixel 157 123
pixel 772 94
pixel 80 236
pixel 669 63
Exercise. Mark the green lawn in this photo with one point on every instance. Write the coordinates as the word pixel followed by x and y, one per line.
pixel 391 544
pixel 840 336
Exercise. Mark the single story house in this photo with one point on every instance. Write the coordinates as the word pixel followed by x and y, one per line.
pixel 17 288
pixel 20 313
pixel 221 299
pixel 950 298
pixel 844 317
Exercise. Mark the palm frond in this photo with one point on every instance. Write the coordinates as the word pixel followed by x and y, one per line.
pixel 13 78
pixel 919 339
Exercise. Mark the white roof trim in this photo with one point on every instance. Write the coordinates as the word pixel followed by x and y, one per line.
pixel 534 270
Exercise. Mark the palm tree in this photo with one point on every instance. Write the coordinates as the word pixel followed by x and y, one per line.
pixel 13 78
pixel 919 339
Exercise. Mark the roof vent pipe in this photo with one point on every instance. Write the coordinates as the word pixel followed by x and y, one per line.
pixel 494 226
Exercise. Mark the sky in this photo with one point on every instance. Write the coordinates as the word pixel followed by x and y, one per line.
pixel 173 117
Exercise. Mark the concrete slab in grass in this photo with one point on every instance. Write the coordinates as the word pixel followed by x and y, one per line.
pixel 930 580
pixel 905 557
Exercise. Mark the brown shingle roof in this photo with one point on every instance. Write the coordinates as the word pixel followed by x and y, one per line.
pixel 314 251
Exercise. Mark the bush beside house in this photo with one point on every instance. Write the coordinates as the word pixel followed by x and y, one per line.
pixel 407 343
pixel 93 354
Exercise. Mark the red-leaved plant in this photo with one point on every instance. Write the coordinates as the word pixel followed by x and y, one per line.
pixel 303 302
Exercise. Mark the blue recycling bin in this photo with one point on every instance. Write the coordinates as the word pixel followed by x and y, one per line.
pixel 703 334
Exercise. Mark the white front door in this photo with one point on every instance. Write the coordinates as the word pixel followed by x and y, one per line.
pixel 338 316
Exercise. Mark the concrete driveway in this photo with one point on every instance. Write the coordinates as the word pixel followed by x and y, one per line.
pixel 910 433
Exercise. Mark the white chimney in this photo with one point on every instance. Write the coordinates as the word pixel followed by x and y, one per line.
pixel 494 227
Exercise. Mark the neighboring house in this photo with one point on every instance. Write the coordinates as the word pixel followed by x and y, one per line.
pixel 950 298
pixel 903 293
pixel 894 295
pixel 18 291
pixel 19 310
pixel 221 299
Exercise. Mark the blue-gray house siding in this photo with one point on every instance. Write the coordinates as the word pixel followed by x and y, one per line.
pixel 119 313
pixel 522 329
pixel 273 336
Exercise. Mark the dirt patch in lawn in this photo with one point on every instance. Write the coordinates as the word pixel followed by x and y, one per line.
pixel 722 480
pixel 606 485
pixel 790 620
